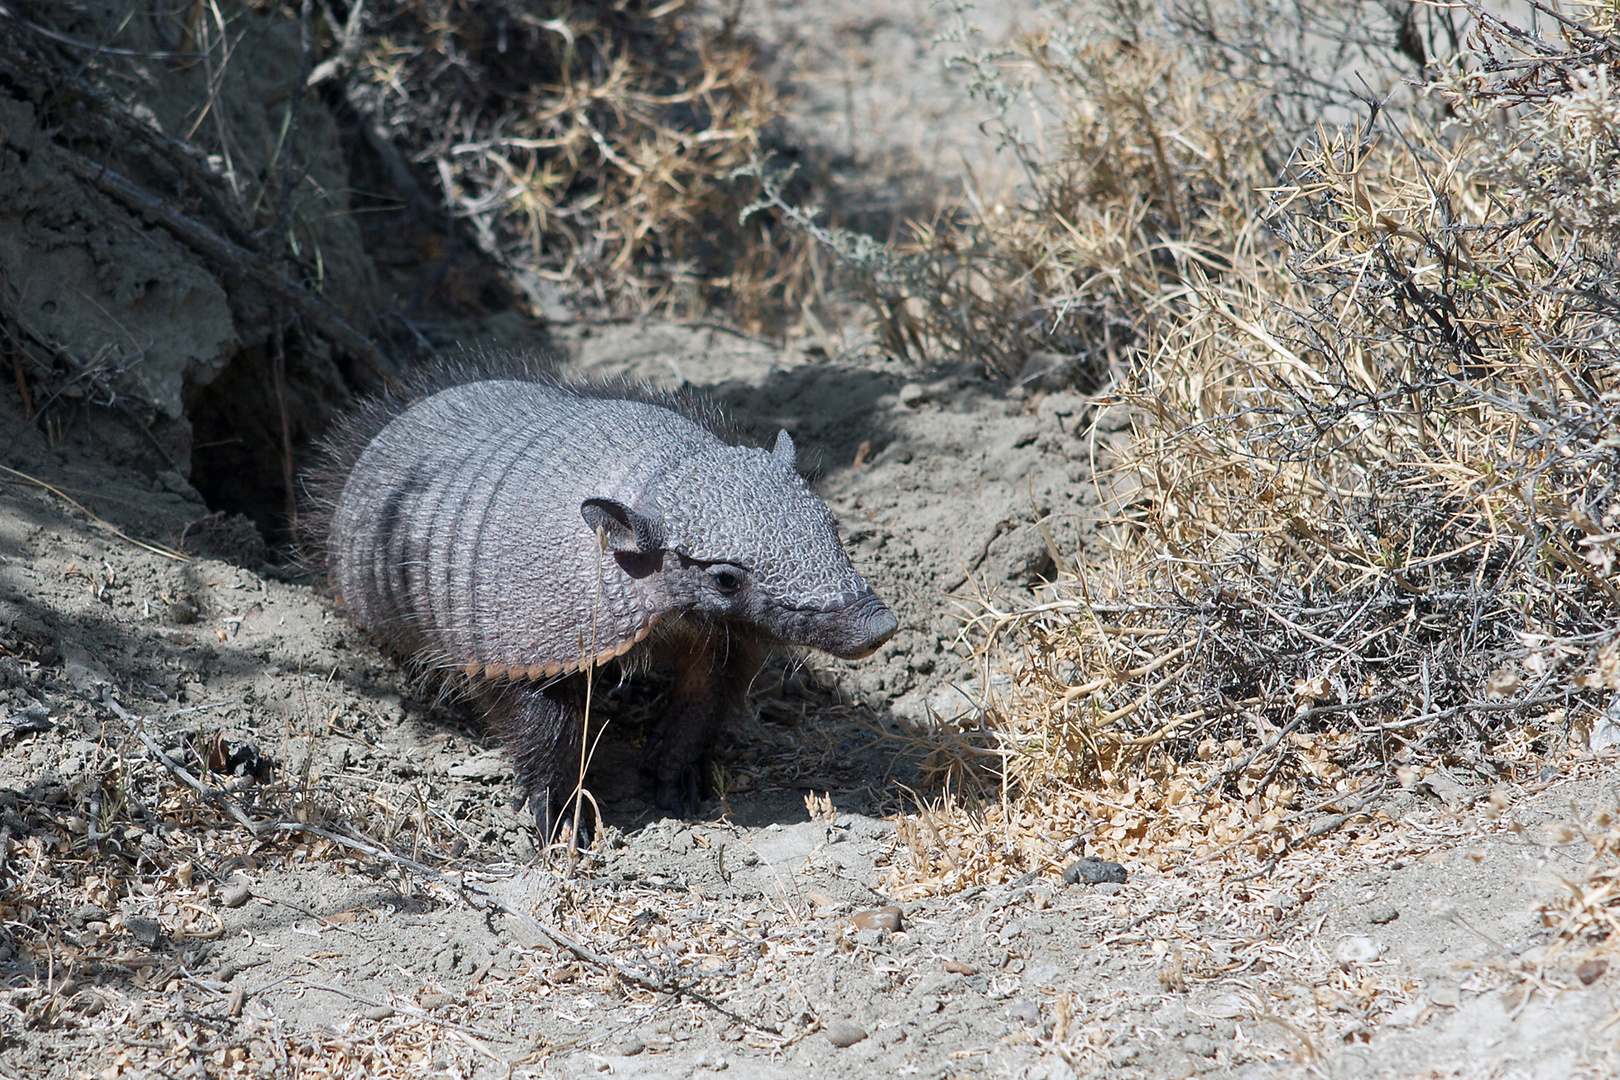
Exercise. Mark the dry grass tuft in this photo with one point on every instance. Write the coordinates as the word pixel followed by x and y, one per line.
pixel 1140 174
pixel 1368 524
pixel 590 149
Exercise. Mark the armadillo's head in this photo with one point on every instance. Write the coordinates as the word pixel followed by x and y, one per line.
pixel 737 535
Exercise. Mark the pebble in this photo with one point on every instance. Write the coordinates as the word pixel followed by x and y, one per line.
pixel 885 918
pixel 957 967
pixel 1591 971
pixel 1025 1011
pixel 1199 1045
pixel 237 894
pixel 1445 996
pixel 842 1034
pixel 430 1002
pixel 630 1046
pixel 1383 913
pixel 1356 950
pixel 912 395
pixel 378 1012
pixel 145 930
pixel 1091 870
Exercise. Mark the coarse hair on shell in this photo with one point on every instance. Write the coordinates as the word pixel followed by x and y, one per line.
pixel 339 449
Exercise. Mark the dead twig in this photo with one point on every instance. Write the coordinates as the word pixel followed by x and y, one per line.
pixel 214 795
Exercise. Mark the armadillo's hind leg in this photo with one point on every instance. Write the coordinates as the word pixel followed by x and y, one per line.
pixel 540 727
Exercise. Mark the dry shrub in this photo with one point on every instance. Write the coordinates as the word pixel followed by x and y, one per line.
pixel 1586 910
pixel 1367 528
pixel 589 147
pixel 1144 174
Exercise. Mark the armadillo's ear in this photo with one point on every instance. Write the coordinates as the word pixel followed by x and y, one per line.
pixel 783 451
pixel 626 530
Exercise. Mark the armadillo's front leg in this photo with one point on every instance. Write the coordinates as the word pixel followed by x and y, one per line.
pixel 711 683
pixel 541 729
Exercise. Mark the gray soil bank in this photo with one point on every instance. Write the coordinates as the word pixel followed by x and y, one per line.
pixel 189 946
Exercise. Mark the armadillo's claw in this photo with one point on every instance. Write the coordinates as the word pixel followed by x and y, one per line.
pixel 555 819
pixel 681 796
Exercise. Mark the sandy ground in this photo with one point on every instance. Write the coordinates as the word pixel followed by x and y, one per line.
pixel 165 938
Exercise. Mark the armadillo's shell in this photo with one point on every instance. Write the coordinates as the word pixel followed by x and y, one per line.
pixel 458 534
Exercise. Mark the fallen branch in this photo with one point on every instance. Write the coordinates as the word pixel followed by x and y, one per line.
pixel 181 773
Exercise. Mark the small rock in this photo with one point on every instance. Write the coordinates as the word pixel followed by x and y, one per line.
pixel 237 894
pixel 843 1033
pixel 1091 870
pixel 485 767
pixel 378 1012
pixel 1199 1045
pixel 1447 997
pixel 145 930
pixel 431 1002
pixel 630 1046
pixel 1026 1011
pixel 885 918
pixel 1383 913
pixel 956 967
pixel 912 395
pixel 1356 950
pixel 1591 971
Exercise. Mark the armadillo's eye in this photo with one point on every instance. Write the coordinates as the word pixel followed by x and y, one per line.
pixel 726 579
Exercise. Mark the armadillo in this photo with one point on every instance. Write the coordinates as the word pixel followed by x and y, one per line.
pixel 525 533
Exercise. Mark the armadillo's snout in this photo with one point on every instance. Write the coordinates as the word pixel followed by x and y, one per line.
pixel 866 624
